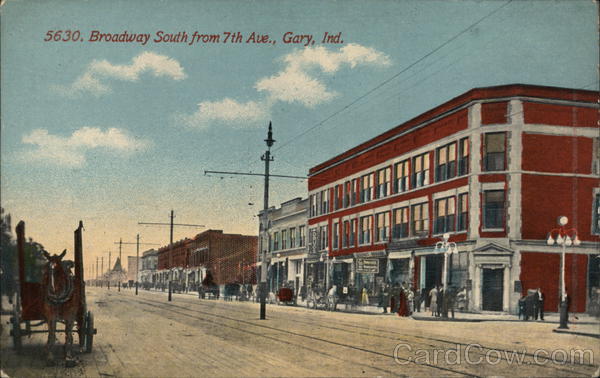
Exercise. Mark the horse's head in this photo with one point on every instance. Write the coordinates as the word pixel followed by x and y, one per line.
pixel 57 271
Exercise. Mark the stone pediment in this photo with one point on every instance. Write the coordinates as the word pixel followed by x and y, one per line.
pixel 493 249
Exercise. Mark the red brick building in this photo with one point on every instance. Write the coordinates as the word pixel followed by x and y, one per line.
pixel 229 257
pixel 494 168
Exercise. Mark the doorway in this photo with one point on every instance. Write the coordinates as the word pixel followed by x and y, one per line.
pixel 492 289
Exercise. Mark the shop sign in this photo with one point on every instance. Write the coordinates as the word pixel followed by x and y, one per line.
pixel 367 266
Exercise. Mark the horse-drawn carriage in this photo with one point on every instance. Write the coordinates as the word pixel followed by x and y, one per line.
pixel 50 293
pixel 318 297
pixel 286 295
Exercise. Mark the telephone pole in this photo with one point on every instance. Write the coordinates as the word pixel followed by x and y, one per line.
pixel 97 270
pixel 101 269
pixel 171 226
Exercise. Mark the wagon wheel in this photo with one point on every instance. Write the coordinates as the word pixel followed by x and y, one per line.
pixel 90 331
pixel 16 323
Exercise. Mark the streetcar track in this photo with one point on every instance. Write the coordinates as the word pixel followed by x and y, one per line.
pixel 279 340
pixel 365 350
pixel 453 343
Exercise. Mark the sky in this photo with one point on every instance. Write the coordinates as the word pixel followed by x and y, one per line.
pixel 115 133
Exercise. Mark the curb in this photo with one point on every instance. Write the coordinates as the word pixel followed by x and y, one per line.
pixel 594 335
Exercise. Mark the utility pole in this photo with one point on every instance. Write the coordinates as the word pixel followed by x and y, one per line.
pixel 267 158
pixel 101 269
pixel 109 270
pixel 171 226
pixel 97 270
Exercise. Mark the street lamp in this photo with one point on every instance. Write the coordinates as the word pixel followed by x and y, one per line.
pixel 447 248
pixel 278 256
pixel 565 237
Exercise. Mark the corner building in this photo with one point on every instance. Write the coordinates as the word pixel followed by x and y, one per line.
pixel 494 167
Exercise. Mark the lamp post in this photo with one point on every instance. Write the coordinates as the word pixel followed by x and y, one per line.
pixel 447 248
pixel 278 266
pixel 565 237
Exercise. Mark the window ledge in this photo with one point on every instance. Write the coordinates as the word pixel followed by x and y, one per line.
pixel 493 230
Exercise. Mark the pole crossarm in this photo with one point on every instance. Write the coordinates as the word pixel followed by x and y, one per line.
pixel 168 224
pixel 255 174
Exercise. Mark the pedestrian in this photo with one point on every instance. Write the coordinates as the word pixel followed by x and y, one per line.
pixel 541 304
pixel 364 298
pixel 522 310
pixel 433 295
pixel 383 297
pixel 528 306
pixel 403 301
pixel 441 305
pixel 536 304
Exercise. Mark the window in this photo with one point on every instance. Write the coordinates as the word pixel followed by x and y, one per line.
pixel 596 223
pixel 323 237
pixel 293 237
pixel 463 212
pixel 347 193
pixel 276 241
pixel 337 198
pixel 382 224
pixel 365 187
pixel 301 236
pixel 324 202
pixel 401 176
pixel 420 219
pixel 365 230
pixel 353 227
pixel 401 223
pixel 420 176
pixel 335 235
pixel 445 168
pixel 493 205
pixel 354 194
pixel 444 215
pixel 346 234
pixel 313 206
pixel 284 239
pixel 463 156
pixel 383 182
pixel 494 148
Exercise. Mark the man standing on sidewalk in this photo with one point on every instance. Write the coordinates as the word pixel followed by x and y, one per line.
pixel 540 306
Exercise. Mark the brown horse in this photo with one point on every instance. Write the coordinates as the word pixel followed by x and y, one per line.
pixel 61 303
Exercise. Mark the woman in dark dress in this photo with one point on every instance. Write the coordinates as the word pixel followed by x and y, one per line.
pixel 402 303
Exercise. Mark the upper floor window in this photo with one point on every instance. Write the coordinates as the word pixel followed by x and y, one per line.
pixel 337 197
pixel 301 236
pixel 596 222
pixel 400 223
pixel 420 176
pixel 323 237
pixel 335 235
pixel 354 193
pixel 276 241
pixel 382 225
pixel 347 193
pixel 284 239
pixel 293 237
pixel 420 219
pixel 324 202
pixel 383 182
pixel 353 228
pixel 366 187
pixel 463 212
pixel 444 215
pixel 365 230
pixel 313 205
pixel 401 177
pixel 346 234
pixel 493 209
pixel 494 152
pixel 445 167
pixel 463 156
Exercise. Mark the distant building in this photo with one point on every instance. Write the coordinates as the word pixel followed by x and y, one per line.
pixel 286 241
pixel 494 168
pixel 148 268
pixel 229 257
pixel 133 268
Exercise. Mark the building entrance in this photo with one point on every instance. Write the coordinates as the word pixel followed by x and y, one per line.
pixel 492 289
